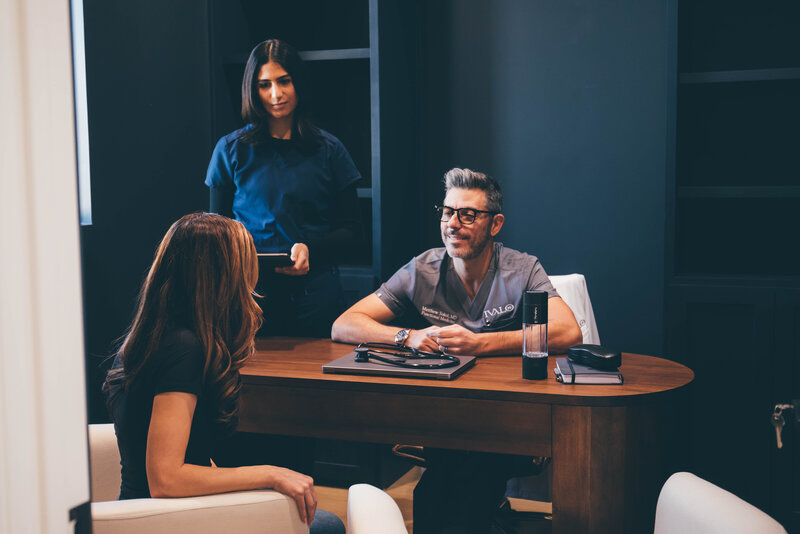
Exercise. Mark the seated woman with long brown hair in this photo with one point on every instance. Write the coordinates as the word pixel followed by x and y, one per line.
pixel 173 388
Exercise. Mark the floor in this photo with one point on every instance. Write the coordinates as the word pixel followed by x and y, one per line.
pixel 523 516
pixel 402 491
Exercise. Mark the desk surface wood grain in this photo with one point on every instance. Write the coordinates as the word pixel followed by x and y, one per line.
pixel 298 362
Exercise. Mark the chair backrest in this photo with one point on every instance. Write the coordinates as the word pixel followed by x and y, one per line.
pixel 572 288
pixel 689 504
pixel 371 511
pixel 104 462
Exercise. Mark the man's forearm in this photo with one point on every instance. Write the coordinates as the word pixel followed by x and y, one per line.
pixel 563 335
pixel 559 338
pixel 562 329
pixel 355 327
pixel 494 343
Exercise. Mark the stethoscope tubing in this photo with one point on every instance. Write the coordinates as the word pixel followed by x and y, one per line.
pixel 366 351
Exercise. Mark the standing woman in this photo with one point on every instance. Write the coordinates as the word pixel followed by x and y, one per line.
pixel 173 388
pixel 293 186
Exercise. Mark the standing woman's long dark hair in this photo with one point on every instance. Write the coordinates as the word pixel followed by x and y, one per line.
pixel 202 278
pixel 253 112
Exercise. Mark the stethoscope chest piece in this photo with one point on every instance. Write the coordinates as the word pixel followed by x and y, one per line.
pixel 362 354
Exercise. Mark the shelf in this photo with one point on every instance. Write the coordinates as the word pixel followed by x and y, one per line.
pixel 739 192
pixel 739 135
pixel 345 53
pixel 364 192
pixel 308 24
pixel 720 35
pixel 750 281
pixel 750 75
pixel 311 55
pixel 736 237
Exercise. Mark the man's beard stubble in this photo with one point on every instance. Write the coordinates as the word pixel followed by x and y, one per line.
pixel 474 249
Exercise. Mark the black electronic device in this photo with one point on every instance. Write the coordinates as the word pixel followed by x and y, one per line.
pixel 270 260
pixel 595 356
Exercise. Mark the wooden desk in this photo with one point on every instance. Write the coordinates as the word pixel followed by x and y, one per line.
pixel 607 442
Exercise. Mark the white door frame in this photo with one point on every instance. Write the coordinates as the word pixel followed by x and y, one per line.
pixel 43 443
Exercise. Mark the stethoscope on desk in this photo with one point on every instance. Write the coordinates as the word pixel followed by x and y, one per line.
pixel 399 356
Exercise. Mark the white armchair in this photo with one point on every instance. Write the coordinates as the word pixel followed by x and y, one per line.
pixel 572 288
pixel 242 512
pixel 688 503
pixel 372 511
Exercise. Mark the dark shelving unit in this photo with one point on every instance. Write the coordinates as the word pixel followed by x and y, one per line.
pixel 733 209
pixel 737 177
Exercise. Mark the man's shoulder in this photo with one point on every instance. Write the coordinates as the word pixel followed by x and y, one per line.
pixel 430 260
pixel 509 259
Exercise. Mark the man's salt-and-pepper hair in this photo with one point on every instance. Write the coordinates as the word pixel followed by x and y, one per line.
pixel 469 179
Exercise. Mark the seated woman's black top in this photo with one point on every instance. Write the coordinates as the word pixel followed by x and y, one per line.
pixel 177 365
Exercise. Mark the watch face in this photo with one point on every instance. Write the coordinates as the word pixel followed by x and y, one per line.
pixel 401 336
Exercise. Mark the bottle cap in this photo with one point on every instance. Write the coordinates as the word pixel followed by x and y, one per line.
pixel 534 307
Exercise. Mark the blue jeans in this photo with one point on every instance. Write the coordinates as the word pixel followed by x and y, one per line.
pixel 326 523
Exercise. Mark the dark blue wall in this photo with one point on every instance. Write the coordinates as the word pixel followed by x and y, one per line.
pixel 566 104
pixel 150 140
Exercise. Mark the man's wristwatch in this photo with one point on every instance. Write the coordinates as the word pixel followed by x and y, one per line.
pixel 401 337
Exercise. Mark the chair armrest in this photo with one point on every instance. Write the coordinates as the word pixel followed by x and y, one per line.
pixel 371 510
pixel 243 512
pixel 105 466
pixel 687 503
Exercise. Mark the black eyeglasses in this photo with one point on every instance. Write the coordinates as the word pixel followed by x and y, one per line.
pixel 465 215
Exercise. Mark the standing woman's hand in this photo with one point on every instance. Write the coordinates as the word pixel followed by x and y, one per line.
pixel 299 256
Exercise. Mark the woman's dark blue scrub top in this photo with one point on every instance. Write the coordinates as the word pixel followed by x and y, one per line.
pixel 283 194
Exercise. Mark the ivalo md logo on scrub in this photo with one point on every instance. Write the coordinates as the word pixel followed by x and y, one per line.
pixel 497 311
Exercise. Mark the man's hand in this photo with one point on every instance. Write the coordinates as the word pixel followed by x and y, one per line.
pixel 419 339
pixel 455 339
pixel 299 255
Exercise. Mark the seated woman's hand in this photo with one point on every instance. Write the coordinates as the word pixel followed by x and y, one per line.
pixel 299 487
pixel 299 255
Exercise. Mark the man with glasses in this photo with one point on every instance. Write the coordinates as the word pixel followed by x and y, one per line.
pixel 465 298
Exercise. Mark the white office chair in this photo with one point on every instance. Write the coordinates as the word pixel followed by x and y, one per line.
pixel 241 512
pixel 572 288
pixel 372 511
pixel 689 504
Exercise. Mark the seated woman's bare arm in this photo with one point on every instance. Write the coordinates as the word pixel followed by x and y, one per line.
pixel 169 476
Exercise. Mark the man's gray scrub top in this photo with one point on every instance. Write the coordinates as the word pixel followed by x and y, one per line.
pixel 428 287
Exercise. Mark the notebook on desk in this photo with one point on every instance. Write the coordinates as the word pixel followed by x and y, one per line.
pixel 570 372
pixel 348 366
